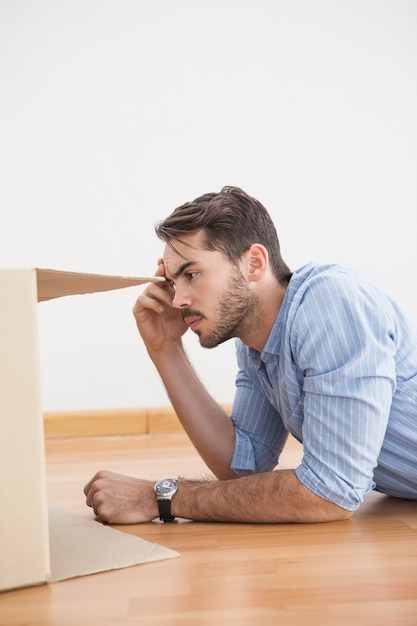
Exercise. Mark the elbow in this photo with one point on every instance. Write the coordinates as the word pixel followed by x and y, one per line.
pixel 318 509
pixel 226 474
pixel 326 511
pixel 338 514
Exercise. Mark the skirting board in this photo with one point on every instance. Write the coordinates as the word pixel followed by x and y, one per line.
pixel 109 422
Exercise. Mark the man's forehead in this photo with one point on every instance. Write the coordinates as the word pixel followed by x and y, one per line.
pixel 176 254
pixel 175 251
pixel 179 254
pixel 186 248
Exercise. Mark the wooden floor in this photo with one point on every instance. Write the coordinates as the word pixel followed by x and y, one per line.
pixel 359 572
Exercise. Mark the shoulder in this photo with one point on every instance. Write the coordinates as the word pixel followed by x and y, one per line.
pixel 316 275
pixel 312 288
pixel 330 285
pixel 335 301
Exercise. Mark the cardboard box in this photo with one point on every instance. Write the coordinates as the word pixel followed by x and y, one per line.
pixel 25 550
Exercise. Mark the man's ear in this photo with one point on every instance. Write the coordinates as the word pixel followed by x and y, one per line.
pixel 257 261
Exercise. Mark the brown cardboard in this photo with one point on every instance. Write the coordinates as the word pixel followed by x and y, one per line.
pixel 24 546
pixel 80 546
pixel 24 523
pixel 55 284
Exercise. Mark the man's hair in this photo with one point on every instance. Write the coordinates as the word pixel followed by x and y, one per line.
pixel 231 221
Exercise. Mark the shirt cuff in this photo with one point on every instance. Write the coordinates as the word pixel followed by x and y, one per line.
pixel 331 487
pixel 243 460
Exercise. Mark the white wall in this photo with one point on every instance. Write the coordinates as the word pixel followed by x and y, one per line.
pixel 114 112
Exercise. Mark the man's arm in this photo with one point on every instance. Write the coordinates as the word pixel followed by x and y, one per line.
pixel 161 327
pixel 207 425
pixel 268 498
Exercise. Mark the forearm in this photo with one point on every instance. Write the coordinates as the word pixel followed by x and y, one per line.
pixel 273 497
pixel 206 423
pixel 270 498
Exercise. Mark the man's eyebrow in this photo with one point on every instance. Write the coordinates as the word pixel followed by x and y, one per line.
pixel 181 269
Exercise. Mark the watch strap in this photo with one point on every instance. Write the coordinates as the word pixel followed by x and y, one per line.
pixel 164 506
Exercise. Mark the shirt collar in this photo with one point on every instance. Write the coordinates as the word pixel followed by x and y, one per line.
pixel 273 343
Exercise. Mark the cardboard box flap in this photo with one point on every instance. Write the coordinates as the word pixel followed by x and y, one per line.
pixel 81 546
pixel 31 550
pixel 55 283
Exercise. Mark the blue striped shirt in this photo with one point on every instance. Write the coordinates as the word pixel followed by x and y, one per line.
pixel 339 372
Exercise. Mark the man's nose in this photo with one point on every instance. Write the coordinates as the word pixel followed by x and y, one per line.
pixel 181 298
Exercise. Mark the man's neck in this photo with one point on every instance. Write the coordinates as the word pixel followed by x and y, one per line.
pixel 270 305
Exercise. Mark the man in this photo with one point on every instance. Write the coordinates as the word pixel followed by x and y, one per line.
pixel 322 353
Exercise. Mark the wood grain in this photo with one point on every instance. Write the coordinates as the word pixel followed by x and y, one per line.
pixel 360 572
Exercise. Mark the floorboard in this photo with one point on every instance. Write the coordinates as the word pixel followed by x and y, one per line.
pixel 361 572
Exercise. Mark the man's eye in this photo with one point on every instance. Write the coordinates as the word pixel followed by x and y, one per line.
pixel 191 275
pixel 170 283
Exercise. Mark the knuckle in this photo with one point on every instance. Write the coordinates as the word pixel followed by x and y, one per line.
pixel 101 474
pixel 98 499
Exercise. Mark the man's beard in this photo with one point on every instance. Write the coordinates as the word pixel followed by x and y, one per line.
pixel 236 314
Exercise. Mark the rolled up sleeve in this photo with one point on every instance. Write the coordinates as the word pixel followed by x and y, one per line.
pixel 348 387
pixel 259 432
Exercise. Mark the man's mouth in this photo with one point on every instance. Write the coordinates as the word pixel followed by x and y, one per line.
pixel 192 321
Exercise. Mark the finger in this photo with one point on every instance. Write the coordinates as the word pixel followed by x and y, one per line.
pixel 97 476
pixel 154 299
pixel 160 271
pixel 89 499
pixel 88 486
pixel 101 480
pixel 91 490
pixel 146 303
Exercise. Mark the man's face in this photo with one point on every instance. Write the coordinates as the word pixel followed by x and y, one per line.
pixel 213 295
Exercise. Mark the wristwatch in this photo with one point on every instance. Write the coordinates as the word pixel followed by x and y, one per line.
pixel 164 491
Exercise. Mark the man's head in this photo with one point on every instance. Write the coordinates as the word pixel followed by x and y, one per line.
pixel 230 221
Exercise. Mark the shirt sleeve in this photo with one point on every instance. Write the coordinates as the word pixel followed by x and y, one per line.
pixel 259 432
pixel 343 340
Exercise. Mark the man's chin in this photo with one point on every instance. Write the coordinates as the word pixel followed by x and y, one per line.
pixel 210 341
pixel 206 342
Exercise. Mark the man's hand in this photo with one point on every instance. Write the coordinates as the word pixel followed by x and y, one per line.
pixel 159 323
pixel 119 499
pixel 268 498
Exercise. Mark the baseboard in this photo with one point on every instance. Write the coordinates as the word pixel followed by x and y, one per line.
pixel 109 422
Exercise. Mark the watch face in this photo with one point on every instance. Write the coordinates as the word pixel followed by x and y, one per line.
pixel 166 487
